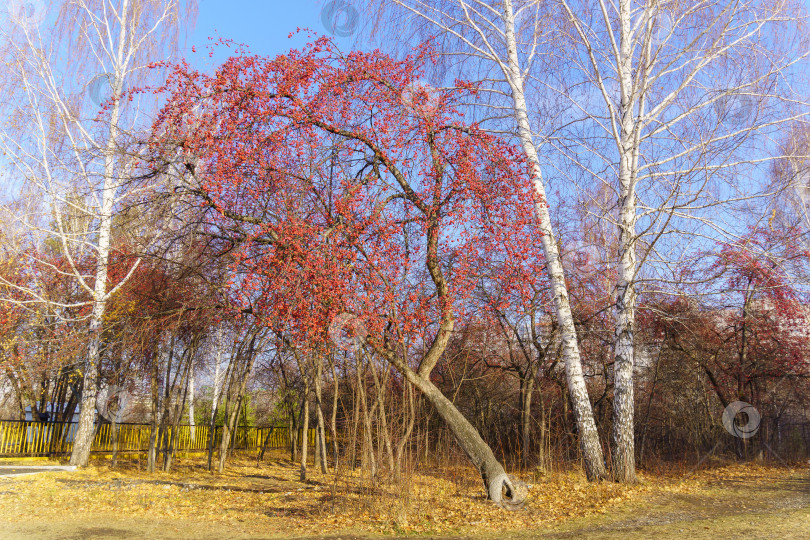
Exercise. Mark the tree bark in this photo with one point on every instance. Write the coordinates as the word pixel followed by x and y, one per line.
pixel 114 427
pixel 84 435
pixel 333 419
pixel 623 436
pixel 499 487
pixel 321 438
pixel 293 431
pixel 526 391
pixel 157 413
pixel 264 445
pixel 408 390
pixel 367 460
pixel 179 405
pixel 379 386
pixel 304 436
pixel 191 403
pixel 317 448
pixel 355 422
pixel 240 372
pixel 83 439
pixel 583 413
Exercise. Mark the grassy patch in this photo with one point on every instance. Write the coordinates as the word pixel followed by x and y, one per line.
pixel 268 500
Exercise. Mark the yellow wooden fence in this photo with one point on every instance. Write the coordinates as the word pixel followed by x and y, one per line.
pixel 20 438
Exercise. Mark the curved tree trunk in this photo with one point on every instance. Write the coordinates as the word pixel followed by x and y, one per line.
pixel 499 486
pixel 499 26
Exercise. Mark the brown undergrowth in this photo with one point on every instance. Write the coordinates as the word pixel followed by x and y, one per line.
pixel 268 497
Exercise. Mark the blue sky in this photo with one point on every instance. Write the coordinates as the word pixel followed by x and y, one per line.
pixel 264 25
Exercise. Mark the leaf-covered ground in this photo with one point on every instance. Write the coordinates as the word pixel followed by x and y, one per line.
pixel 267 500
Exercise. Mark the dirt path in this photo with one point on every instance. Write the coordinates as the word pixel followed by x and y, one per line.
pixel 759 507
pixel 14 471
pixel 729 509
pixel 22 470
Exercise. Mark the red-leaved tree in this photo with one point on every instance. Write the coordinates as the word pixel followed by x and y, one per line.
pixel 347 190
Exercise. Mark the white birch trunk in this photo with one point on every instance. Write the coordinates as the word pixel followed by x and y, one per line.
pixel 578 391
pixel 217 377
pixel 482 28
pixel 193 429
pixel 84 434
pixel 65 151
pixel 746 52
pixel 302 471
pixel 623 455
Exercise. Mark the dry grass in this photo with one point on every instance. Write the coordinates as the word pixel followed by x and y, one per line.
pixel 269 499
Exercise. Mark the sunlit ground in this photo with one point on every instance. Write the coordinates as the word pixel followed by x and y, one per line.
pixel 267 500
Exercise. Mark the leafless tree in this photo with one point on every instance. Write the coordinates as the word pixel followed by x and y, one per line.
pixel 670 106
pixel 481 37
pixel 69 132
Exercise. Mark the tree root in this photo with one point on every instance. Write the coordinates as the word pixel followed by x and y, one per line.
pixel 507 491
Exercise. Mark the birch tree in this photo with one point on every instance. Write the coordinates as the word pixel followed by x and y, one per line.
pixel 687 97
pixel 670 106
pixel 792 183
pixel 482 36
pixel 71 129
